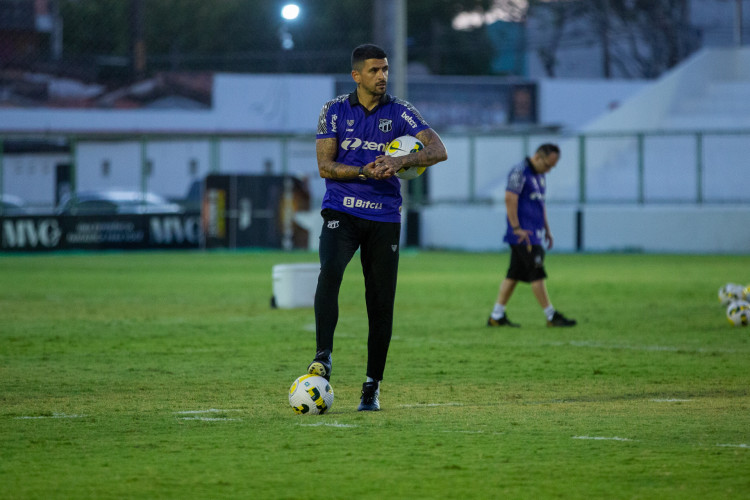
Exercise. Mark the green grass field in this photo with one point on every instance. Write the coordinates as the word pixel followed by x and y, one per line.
pixel 165 375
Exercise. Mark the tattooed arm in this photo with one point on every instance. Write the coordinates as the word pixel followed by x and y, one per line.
pixel 329 168
pixel 384 166
pixel 434 151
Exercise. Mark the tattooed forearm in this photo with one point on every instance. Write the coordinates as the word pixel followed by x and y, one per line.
pixel 327 167
pixel 337 171
pixel 434 151
pixel 327 150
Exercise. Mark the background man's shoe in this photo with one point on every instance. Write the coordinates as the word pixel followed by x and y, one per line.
pixel 504 321
pixel 559 320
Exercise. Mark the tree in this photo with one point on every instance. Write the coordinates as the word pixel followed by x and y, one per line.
pixel 553 20
pixel 638 38
pixel 658 33
pixel 433 42
pixel 243 35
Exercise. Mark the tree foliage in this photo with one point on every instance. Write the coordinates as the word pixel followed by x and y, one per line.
pixel 637 38
pixel 243 35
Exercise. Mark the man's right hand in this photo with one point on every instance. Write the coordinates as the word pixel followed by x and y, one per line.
pixel 523 236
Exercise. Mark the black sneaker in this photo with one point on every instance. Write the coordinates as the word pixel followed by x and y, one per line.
pixel 321 365
pixel 559 320
pixel 504 321
pixel 370 393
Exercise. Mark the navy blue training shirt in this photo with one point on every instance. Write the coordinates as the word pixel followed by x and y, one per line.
pixel 362 136
pixel 530 187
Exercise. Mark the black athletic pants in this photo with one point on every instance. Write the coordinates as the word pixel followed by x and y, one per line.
pixel 378 242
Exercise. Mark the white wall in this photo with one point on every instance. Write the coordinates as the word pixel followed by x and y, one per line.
pixel 242 103
pixel 172 164
pixel 31 176
pixel 175 164
pixel 573 103
pixel 672 229
pixel 663 229
pixel 481 228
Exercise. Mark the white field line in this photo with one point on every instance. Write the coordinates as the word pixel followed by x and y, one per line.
pixel 671 400
pixel 54 415
pixel 206 419
pixel 210 410
pixel 602 438
pixel 742 445
pixel 328 424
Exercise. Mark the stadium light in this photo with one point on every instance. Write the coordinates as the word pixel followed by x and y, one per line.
pixel 289 12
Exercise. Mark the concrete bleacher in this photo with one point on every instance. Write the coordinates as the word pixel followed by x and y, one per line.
pixel 707 94
pixel 680 202
pixel 723 104
pixel 710 91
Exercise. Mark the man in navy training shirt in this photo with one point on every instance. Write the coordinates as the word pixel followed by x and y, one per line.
pixel 526 229
pixel 362 206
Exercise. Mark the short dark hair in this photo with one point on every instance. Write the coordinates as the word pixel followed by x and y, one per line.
pixel 548 148
pixel 366 51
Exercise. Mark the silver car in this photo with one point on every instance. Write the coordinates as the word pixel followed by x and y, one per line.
pixel 116 202
pixel 12 205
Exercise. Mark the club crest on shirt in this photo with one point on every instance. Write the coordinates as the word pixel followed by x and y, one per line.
pixel 385 125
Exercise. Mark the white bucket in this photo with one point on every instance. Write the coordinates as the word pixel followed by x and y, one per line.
pixel 294 285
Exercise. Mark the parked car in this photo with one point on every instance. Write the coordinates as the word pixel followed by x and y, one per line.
pixel 12 205
pixel 116 202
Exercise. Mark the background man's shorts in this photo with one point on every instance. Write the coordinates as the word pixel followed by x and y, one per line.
pixel 526 266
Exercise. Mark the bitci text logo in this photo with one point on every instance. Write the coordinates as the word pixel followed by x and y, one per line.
pixel 352 202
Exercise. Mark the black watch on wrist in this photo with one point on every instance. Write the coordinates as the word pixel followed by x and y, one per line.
pixel 361 174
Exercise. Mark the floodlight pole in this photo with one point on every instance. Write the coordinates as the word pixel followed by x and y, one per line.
pixel 390 22
pixel 738 23
pixel 390 33
pixel 399 42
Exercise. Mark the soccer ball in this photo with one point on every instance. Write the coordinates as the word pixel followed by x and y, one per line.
pixel 311 395
pixel 738 313
pixel 730 292
pixel 401 146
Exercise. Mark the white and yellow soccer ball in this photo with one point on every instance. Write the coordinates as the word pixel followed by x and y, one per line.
pixel 730 292
pixel 311 395
pixel 738 313
pixel 405 145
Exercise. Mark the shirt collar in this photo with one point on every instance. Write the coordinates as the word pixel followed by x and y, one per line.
pixel 354 100
pixel 531 166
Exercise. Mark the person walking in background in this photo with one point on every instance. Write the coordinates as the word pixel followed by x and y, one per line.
pixel 362 206
pixel 526 229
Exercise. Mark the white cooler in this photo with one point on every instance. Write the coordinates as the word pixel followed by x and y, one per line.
pixel 294 285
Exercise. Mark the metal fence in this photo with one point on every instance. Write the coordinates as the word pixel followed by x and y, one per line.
pixel 688 167
pixel 638 167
